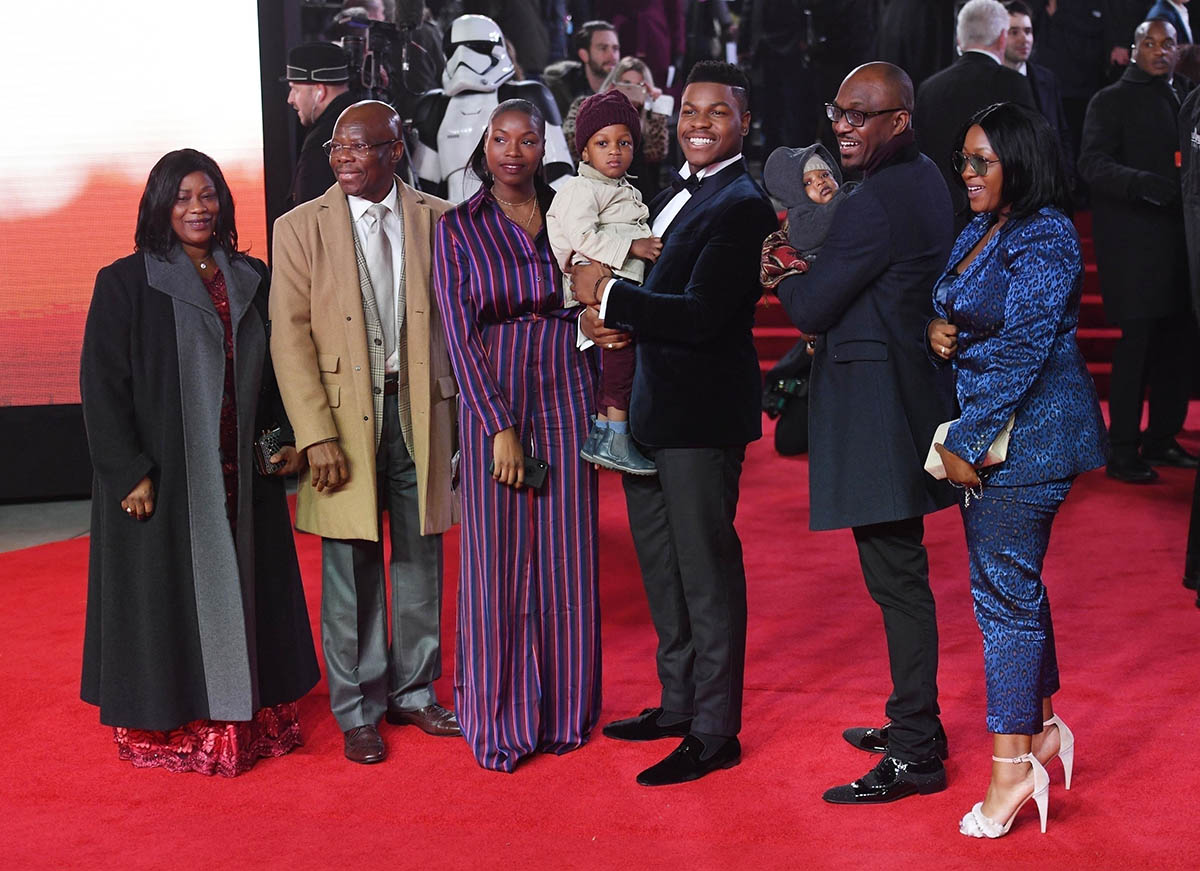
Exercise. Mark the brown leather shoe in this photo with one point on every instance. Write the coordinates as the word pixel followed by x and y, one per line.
pixel 433 719
pixel 363 744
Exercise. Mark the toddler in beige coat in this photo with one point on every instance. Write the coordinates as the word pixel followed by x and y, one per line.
pixel 599 216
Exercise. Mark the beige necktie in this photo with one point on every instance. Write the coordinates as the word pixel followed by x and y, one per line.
pixel 383 284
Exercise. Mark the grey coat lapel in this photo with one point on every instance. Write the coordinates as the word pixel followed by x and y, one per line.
pixel 221 590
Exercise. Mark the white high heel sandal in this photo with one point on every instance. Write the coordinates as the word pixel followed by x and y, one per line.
pixel 976 825
pixel 1066 747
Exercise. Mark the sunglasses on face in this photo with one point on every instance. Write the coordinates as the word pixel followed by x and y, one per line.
pixel 979 165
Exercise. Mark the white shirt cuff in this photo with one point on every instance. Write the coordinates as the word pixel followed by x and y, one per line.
pixel 582 342
pixel 604 301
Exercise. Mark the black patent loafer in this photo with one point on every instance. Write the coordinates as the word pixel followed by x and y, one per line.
pixel 876 740
pixel 685 763
pixel 890 780
pixel 645 727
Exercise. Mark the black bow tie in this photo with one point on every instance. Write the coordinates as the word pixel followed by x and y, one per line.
pixel 691 183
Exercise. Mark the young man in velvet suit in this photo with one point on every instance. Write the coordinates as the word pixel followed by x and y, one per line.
pixel 875 401
pixel 695 407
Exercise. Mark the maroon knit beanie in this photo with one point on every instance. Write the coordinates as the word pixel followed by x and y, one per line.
pixel 600 110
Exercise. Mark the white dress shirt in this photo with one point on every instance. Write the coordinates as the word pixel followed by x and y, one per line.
pixel 395 233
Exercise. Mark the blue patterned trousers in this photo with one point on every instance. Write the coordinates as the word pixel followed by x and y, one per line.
pixel 1008 531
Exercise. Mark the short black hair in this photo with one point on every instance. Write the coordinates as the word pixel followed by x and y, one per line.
pixel 583 36
pixel 1016 7
pixel 477 162
pixel 722 73
pixel 153 233
pixel 1035 174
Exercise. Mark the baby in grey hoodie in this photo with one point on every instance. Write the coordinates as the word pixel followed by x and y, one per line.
pixel 808 182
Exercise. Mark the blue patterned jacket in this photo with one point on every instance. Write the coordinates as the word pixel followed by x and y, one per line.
pixel 1016 307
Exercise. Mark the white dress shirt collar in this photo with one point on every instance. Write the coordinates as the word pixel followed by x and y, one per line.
pixel 712 168
pixel 359 205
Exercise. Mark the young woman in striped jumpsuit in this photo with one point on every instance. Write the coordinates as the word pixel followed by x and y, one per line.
pixel 527 671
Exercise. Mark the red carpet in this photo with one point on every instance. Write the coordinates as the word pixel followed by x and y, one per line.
pixel 1127 635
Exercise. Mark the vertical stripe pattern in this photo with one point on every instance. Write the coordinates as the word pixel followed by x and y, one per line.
pixel 527 672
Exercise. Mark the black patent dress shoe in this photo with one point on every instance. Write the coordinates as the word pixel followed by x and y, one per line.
pixel 645 727
pixel 890 780
pixel 876 740
pixel 1191 580
pixel 685 763
pixel 1172 455
pixel 1134 470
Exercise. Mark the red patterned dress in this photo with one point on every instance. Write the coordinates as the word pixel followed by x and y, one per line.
pixel 217 746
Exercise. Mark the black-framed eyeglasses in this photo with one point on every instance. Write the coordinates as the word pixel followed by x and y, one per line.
pixel 357 148
pixel 978 163
pixel 855 117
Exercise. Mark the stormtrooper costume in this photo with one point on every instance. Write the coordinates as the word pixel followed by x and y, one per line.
pixel 449 122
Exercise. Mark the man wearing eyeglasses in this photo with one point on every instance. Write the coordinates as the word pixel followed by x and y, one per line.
pixel 977 79
pixel 874 403
pixel 367 383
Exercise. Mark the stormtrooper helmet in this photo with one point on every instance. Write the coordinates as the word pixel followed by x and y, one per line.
pixel 477 59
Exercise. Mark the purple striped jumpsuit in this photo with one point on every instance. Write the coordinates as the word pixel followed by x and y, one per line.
pixel 527 670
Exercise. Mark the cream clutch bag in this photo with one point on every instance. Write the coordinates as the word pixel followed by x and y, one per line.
pixel 997 453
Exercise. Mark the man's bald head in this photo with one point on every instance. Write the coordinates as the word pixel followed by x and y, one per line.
pixel 888 80
pixel 366 146
pixel 373 113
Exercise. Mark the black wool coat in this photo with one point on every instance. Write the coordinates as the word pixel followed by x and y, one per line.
pixel 874 396
pixel 1130 135
pixel 313 174
pixel 184 623
pixel 947 100
pixel 697 382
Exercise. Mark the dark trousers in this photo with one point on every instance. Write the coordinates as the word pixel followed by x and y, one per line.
pixel 616 378
pixel 896 569
pixel 1154 353
pixel 691 562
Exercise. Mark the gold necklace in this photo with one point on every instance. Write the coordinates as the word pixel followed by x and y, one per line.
pixel 525 224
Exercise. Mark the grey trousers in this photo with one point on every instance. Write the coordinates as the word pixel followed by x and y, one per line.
pixel 366 673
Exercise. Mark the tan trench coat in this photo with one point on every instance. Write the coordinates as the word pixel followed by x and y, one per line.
pixel 319 348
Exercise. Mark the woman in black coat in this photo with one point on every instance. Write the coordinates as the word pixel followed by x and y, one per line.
pixel 198 642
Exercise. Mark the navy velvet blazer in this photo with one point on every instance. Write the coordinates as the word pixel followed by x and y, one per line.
pixel 1016 308
pixel 697 382
pixel 874 398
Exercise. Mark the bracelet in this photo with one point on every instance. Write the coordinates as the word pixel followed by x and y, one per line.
pixel 596 286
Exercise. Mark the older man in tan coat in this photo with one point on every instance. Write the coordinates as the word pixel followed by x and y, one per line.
pixel 361 360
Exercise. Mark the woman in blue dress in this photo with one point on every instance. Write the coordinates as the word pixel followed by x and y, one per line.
pixel 1009 306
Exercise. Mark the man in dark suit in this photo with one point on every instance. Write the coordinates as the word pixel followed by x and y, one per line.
pixel 1042 80
pixel 977 79
pixel 318 76
pixel 875 401
pixel 696 404
pixel 1129 157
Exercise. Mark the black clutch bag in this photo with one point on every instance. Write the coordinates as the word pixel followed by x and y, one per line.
pixel 267 445
pixel 535 471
